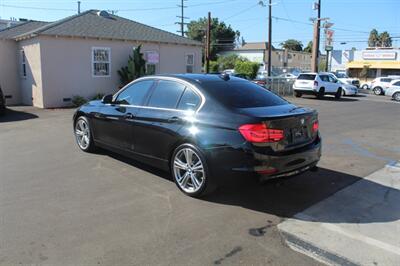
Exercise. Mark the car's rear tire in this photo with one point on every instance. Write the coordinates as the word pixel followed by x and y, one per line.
pixel 83 134
pixel 343 92
pixel 321 93
pixel 378 91
pixel 338 94
pixel 190 171
pixel 298 94
pixel 396 96
pixel 364 87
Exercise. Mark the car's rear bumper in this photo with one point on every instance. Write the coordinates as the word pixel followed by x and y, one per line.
pixel 305 91
pixel 228 162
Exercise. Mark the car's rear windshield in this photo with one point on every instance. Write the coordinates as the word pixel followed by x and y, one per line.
pixel 306 76
pixel 242 94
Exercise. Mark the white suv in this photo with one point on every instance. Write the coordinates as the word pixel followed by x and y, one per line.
pixel 318 84
pixel 379 85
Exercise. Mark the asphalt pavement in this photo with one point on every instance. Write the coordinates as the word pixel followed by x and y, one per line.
pixel 61 206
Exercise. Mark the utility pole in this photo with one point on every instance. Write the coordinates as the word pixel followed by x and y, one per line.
pixel 269 38
pixel 315 50
pixel 182 17
pixel 79 7
pixel 208 43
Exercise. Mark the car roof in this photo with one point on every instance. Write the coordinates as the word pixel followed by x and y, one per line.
pixel 200 78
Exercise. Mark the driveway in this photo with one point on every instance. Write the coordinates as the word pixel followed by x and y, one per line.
pixel 59 205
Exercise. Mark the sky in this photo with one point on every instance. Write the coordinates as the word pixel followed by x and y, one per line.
pixel 353 19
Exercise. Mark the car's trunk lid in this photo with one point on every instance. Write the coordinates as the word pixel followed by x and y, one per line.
pixel 296 123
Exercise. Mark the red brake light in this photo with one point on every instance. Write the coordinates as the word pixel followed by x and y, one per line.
pixel 315 126
pixel 259 133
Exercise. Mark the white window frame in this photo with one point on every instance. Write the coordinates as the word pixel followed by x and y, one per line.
pixel 156 65
pixel 186 62
pixel 107 62
pixel 23 63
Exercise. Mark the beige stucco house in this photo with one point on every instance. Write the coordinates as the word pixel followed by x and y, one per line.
pixel 281 58
pixel 46 64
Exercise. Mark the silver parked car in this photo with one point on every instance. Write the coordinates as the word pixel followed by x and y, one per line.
pixel 394 90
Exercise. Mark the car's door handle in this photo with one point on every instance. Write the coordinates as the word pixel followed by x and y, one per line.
pixel 129 116
pixel 174 119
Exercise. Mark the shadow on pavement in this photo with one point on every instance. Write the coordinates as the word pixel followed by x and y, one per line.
pixel 13 115
pixel 331 98
pixel 286 197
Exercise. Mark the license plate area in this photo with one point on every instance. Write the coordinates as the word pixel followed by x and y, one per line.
pixel 299 134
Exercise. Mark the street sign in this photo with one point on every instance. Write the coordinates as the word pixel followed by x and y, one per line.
pixel 329 39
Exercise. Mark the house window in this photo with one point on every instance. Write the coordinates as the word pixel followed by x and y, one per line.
pixel 23 64
pixel 189 59
pixel 101 61
pixel 152 60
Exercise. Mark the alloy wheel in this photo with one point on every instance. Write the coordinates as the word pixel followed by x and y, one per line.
pixel 189 170
pixel 396 96
pixel 82 134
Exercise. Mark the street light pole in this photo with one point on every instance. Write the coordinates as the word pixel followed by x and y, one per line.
pixel 269 38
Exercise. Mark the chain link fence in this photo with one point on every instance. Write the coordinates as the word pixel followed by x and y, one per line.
pixel 281 86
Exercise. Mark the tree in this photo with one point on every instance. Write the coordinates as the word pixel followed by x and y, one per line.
pixel 246 68
pixel 223 37
pixel 229 61
pixel 364 72
pixel 136 67
pixel 322 65
pixel 385 40
pixel 379 40
pixel 308 48
pixel 373 39
pixel 292 44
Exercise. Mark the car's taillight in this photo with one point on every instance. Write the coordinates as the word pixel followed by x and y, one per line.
pixel 259 133
pixel 315 126
pixel 315 83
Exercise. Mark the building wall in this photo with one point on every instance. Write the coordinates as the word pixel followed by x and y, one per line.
pixel 67 66
pixel 9 71
pixel 31 85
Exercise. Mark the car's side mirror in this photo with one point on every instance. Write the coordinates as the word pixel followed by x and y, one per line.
pixel 107 99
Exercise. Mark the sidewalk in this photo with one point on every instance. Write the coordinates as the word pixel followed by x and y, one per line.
pixel 359 225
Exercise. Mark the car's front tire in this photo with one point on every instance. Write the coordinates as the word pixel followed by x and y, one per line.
pixel 190 171
pixel 396 96
pixel 378 91
pixel 338 94
pixel 364 87
pixel 321 93
pixel 83 134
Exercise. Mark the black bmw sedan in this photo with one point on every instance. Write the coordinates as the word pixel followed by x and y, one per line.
pixel 204 129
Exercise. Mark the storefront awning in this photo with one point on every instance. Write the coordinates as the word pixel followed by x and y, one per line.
pixel 374 64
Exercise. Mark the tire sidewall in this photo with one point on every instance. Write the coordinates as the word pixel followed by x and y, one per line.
pixel 206 184
pixel 378 89
pixel 394 96
pixel 90 147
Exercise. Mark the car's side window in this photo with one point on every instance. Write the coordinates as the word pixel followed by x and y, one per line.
pixel 332 79
pixel 189 100
pixel 324 78
pixel 166 94
pixel 397 83
pixel 135 93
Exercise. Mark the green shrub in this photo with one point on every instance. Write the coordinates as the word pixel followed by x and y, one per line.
pixel 248 69
pixel 98 96
pixel 229 61
pixel 214 67
pixel 78 100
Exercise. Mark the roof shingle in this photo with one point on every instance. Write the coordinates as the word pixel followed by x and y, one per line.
pixel 91 25
pixel 16 30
